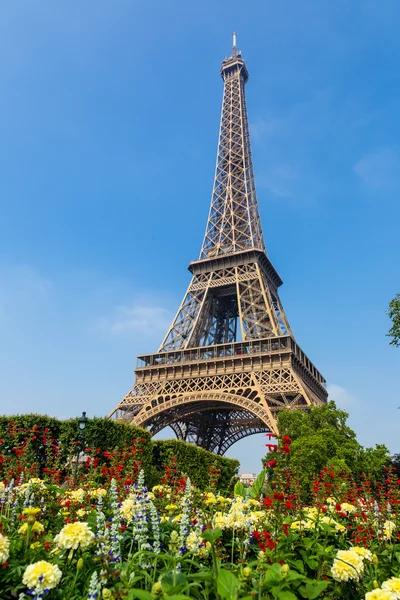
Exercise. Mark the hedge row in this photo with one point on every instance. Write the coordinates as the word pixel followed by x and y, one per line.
pixel 110 436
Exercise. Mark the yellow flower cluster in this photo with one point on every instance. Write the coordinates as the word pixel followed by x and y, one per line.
pixel 338 526
pixel 240 515
pixel 390 590
pixel 41 576
pixel 76 495
pixel 348 509
pixel 392 585
pixel 73 536
pixel 31 511
pixel 196 545
pixel 98 493
pixel 388 528
pixel 35 482
pixel 36 527
pixel 349 564
pixel 380 594
pixel 128 509
pixel 4 549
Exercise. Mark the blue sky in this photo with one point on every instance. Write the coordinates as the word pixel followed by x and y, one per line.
pixel 109 116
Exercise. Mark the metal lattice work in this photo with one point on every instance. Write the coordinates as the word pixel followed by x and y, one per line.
pixel 229 361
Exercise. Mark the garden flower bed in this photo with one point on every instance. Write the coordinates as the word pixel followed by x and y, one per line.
pixel 124 541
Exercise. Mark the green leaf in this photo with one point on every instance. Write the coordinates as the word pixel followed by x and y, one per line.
pixel 212 535
pixel 285 595
pixel 204 576
pixel 227 585
pixel 273 576
pixel 239 489
pixel 315 588
pixel 255 491
pixel 140 594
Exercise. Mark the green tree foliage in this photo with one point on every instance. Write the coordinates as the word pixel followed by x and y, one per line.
pixel 394 314
pixel 321 438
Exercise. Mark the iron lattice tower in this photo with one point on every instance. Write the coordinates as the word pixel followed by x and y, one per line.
pixel 229 361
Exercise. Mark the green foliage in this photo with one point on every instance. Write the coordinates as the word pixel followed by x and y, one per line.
pixel 393 313
pixel 38 435
pixel 321 438
pixel 206 470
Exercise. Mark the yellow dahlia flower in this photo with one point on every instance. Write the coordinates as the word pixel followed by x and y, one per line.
pixel 379 595
pixel 35 528
pixel 363 552
pixel 77 495
pixel 41 576
pixel 393 585
pixel 347 565
pixel 73 536
pixel 4 549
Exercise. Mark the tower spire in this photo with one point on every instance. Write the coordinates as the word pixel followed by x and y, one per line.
pixel 234 51
pixel 234 221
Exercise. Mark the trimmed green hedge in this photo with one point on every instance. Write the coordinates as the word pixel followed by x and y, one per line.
pixel 203 468
pixel 198 464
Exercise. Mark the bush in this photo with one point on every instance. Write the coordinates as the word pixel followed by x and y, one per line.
pixel 205 469
pixel 38 444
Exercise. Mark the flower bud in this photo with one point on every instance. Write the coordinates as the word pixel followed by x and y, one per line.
pixel 157 590
pixel 79 564
pixel 285 570
pixel 246 573
pixel 106 594
pixel 375 584
pixel 374 559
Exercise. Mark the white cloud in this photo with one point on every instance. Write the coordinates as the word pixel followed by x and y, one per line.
pixel 343 398
pixel 140 318
pixel 379 170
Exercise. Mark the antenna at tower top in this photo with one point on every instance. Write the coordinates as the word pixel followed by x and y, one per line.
pixel 234 52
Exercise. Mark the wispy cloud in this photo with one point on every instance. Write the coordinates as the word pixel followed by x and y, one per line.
pixel 141 318
pixel 343 398
pixel 380 170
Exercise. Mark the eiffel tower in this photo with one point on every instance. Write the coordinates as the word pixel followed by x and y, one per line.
pixel 229 361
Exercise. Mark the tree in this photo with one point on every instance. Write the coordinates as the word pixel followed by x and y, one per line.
pixel 321 438
pixel 393 313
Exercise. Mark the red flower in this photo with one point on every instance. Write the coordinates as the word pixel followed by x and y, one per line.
pixel 256 535
pixel 271 544
pixel 268 502
pixel 288 504
pixel 285 527
pixel 285 450
pixel 272 447
pixel 278 496
pixel 286 439
pixel 271 463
